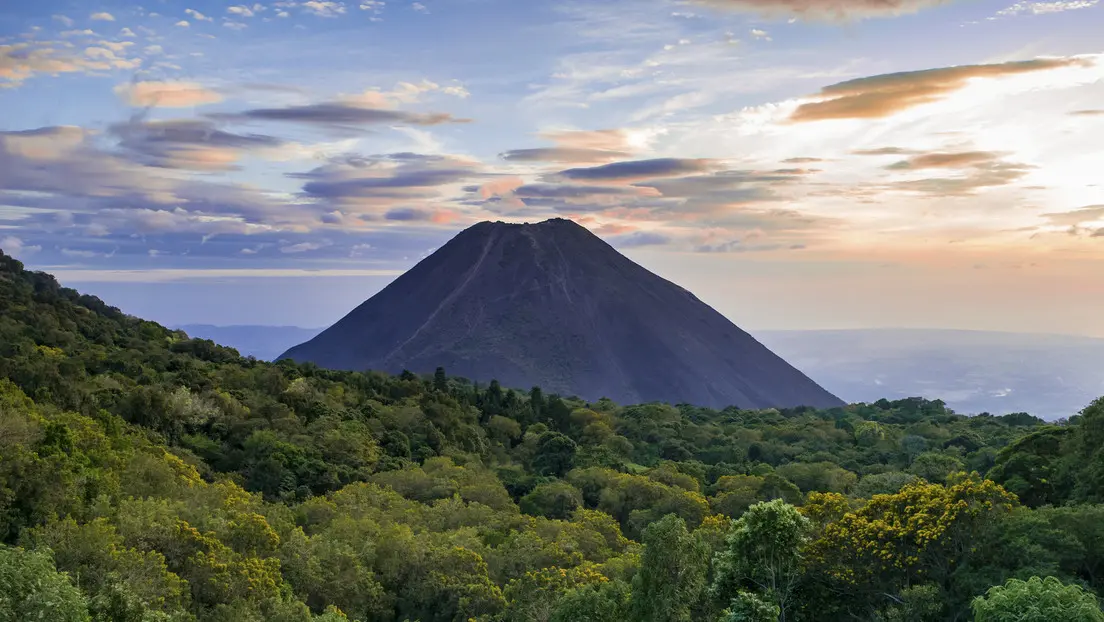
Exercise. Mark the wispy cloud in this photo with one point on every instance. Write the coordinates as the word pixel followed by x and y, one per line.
pixel 102 17
pixel 829 10
pixel 199 17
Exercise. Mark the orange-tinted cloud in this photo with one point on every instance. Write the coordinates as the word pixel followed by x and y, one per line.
pixel 1076 217
pixel 973 170
pixel 946 160
pixel 884 151
pixel 1088 113
pixel 166 94
pixel 500 187
pixel 20 61
pixel 603 140
pixel 887 94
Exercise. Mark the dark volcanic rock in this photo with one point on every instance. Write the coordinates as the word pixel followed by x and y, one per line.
pixel 552 305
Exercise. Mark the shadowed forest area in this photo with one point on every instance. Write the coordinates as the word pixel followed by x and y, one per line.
pixel 146 476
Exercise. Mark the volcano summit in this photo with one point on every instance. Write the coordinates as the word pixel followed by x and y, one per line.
pixel 552 305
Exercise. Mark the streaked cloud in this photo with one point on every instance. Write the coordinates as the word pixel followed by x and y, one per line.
pixel 884 95
pixel 102 17
pixel 339 115
pixel 639 169
pixel 188 144
pixel 562 154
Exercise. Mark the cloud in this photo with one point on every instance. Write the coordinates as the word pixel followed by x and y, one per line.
pixel 20 61
pixel 737 246
pixel 161 275
pixel 403 93
pixel 63 175
pixel 369 187
pixel 638 239
pixel 240 10
pixel 946 160
pixel 199 17
pixel 977 169
pixel 303 247
pixel 566 191
pixel 182 24
pixel 324 9
pixel 1087 113
pixel 1077 217
pixel 166 94
pixel 562 154
pixel 188 144
pixel 102 17
pixel 602 140
pixel 639 169
pixel 85 253
pixel 339 115
pixel 63 20
pixel 824 10
pixel 760 34
pixel 15 247
pixel 884 95
pixel 1044 8
pixel 883 151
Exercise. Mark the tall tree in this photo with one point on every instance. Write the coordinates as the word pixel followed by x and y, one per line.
pixel 762 556
pixel 672 577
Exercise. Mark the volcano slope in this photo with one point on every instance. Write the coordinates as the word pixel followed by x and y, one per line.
pixel 552 305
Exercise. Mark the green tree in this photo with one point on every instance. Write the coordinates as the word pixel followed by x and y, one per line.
pixel 555 454
pixel 32 589
pixel 749 607
pixel 672 577
pixel 1037 600
pixel 601 602
pixel 552 500
pixel 763 555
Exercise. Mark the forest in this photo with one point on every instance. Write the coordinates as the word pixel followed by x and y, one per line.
pixel 149 477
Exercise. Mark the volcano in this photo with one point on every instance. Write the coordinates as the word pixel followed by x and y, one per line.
pixel 552 305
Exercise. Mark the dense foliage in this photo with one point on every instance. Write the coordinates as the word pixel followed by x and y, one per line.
pixel 146 476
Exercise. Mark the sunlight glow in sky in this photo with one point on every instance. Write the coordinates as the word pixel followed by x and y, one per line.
pixel 797 164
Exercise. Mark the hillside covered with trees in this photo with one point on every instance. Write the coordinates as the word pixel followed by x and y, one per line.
pixel 147 476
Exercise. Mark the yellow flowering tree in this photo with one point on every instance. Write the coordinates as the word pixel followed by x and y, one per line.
pixel 918 535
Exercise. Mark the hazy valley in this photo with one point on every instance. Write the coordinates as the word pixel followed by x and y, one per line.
pixel 1050 376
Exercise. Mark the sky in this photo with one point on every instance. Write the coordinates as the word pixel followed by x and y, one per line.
pixel 797 164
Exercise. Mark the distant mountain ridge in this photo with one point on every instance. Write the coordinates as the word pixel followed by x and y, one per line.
pixel 552 305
